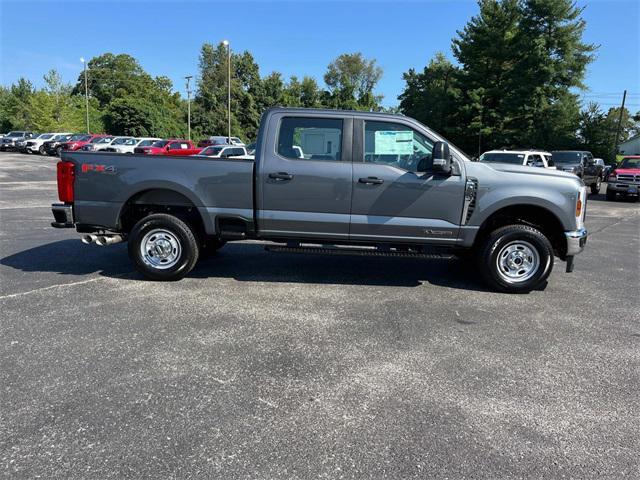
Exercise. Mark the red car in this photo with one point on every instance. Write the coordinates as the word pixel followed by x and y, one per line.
pixel 173 146
pixel 77 141
pixel 625 178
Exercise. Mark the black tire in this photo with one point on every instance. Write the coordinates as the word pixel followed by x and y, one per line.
pixel 528 244
pixel 595 187
pixel 175 231
pixel 41 150
pixel 59 151
pixel 211 246
pixel 611 195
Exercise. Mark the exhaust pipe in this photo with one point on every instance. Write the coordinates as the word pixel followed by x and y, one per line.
pixel 104 240
pixel 89 238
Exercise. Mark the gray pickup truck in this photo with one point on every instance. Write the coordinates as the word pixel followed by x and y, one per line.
pixel 333 182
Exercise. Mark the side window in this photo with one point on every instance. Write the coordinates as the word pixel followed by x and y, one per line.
pixel 397 145
pixel 550 162
pixel 184 145
pixel 174 146
pixel 305 138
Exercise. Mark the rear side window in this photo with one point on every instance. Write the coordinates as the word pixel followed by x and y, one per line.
pixel 303 138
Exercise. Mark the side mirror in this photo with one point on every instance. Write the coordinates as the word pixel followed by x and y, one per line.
pixel 441 158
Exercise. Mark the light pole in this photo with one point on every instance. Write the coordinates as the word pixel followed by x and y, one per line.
pixel 188 78
pixel 226 43
pixel 86 90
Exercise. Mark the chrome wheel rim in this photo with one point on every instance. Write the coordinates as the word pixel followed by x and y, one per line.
pixel 160 249
pixel 517 262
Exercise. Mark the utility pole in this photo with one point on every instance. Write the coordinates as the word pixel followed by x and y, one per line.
pixel 86 91
pixel 188 79
pixel 615 143
pixel 228 45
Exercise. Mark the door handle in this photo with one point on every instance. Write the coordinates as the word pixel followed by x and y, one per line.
pixel 281 176
pixel 371 181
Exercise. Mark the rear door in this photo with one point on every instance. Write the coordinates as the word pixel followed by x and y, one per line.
pixel 304 176
pixel 396 196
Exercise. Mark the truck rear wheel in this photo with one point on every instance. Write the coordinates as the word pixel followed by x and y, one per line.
pixel 163 247
pixel 515 259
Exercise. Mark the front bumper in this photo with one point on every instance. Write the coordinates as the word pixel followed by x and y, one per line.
pixel 626 188
pixel 576 240
pixel 63 215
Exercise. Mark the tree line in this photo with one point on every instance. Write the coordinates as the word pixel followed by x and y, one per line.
pixel 519 67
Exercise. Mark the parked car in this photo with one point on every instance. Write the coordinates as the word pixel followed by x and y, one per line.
pixel 173 146
pixel 223 151
pixel 529 158
pixel 396 188
pixel 130 145
pixel 220 140
pixel 51 146
pixel 72 145
pixel 11 140
pixel 582 164
pixel 624 179
pixel 36 144
pixel 101 144
pixel 251 148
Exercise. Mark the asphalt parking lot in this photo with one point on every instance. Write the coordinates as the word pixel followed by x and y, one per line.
pixel 262 365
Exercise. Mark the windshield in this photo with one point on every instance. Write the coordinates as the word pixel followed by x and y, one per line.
pixel 120 141
pixel 131 141
pixel 566 157
pixel 630 163
pixel 45 136
pixel 146 143
pixel 160 143
pixel 211 151
pixel 502 157
pixel 15 134
pixel 101 140
pixel 79 137
pixel 62 137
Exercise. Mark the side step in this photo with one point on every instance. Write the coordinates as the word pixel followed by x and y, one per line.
pixel 233 235
pixel 363 252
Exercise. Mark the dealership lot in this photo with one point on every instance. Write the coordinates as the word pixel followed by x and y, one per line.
pixel 262 365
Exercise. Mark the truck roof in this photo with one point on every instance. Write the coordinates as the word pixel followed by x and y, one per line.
pixel 332 111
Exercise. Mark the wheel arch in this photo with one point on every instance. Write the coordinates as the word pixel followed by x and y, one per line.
pixel 535 216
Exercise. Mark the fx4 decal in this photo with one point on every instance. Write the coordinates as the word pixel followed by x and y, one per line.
pixel 93 167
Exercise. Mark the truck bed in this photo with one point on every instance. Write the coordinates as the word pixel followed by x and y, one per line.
pixel 215 186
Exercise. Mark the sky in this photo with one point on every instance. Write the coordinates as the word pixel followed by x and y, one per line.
pixel 294 38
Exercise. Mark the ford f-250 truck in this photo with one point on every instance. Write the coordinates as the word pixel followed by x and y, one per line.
pixel 334 182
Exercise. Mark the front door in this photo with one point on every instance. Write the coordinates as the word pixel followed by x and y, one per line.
pixel 305 177
pixel 396 196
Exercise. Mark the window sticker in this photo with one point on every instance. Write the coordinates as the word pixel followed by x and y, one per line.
pixel 392 142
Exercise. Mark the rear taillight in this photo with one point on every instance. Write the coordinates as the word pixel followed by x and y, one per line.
pixel 66 176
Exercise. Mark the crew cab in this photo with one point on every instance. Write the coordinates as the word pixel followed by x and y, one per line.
pixel 529 158
pixel 78 141
pixel 624 179
pixel 223 151
pixel 173 146
pixel 366 184
pixel 582 164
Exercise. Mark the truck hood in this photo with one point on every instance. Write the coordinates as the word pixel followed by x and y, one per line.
pixel 627 171
pixel 521 173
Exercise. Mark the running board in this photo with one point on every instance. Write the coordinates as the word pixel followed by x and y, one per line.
pixel 363 252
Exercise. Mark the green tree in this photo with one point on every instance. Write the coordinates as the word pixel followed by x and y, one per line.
pixel 351 80
pixel 431 96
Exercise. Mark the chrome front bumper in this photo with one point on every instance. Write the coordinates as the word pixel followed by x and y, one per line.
pixel 576 240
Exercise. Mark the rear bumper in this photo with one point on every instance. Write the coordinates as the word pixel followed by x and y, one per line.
pixel 576 240
pixel 63 215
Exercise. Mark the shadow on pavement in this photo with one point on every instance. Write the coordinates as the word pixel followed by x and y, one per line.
pixel 251 263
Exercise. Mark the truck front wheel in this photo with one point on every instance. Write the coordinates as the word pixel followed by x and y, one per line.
pixel 515 258
pixel 163 247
